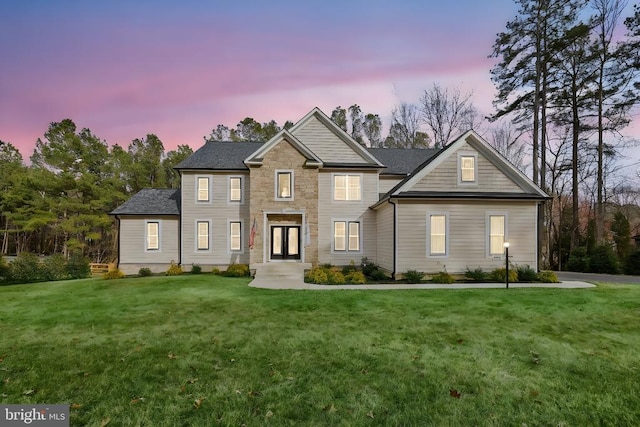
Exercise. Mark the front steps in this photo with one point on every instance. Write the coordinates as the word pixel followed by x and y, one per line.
pixel 288 275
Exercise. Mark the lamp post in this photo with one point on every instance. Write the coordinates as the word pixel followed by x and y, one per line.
pixel 506 256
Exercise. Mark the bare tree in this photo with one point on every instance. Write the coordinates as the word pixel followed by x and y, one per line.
pixel 405 128
pixel 507 140
pixel 445 113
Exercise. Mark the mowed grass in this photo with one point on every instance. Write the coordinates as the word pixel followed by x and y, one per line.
pixel 207 350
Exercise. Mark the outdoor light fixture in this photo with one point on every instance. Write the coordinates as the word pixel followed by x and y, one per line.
pixel 506 256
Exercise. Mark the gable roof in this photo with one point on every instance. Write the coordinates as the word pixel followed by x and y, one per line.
pixel 404 187
pixel 151 201
pixel 256 157
pixel 219 155
pixel 357 149
pixel 402 161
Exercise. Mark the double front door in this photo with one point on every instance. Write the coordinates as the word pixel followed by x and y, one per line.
pixel 285 242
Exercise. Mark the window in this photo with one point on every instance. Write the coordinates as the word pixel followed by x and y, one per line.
pixel 153 236
pixel 346 236
pixel 202 228
pixel 235 189
pixel 437 235
pixel 235 236
pixel 284 185
pixel 203 189
pixel 347 187
pixel 467 168
pixel 496 234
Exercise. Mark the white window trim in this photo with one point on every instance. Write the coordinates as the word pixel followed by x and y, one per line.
pixel 475 168
pixel 209 181
pixel 333 188
pixel 195 240
pixel 277 197
pixel 446 235
pixel 487 232
pixel 234 251
pixel 333 234
pixel 235 202
pixel 146 235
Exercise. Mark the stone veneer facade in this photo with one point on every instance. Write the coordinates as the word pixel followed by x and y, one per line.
pixel 284 156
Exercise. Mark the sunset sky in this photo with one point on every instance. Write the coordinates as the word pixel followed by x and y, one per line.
pixel 128 68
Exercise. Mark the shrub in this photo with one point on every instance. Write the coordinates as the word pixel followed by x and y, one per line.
pixel 55 267
pixel 215 270
pixel 603 260
pixel 144 272
pixel 526 274
pixel 5 272
pixel 477 274
pixel 335 278
pixel 413 276
pixel 355 277
pixel 349 268
pixel 316 275
pixel 443 277
pixel 547 276
pixel 116 273
pixel 237 270
pixel 578 260
pixel 78 267
pixel 632 266
pixel 500 274
pixel 174 270
pixel 372 271
pixel 26 268
pixel 196 269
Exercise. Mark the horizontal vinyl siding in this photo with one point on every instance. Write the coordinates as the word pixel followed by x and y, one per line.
pixel 133 240
pixel 219 212
pixel 467 235
pixel 384 219
pixel 445 176
pixel 325 144
pixel 329 210
pixel 385 184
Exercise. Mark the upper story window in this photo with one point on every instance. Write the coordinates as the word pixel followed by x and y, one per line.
pixel 202 189
pixel 153 236
pixel 235 189
pixel 284 185
pixel 468 168
pixel 347 187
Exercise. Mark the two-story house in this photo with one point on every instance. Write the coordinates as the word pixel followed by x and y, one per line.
pixel 313 195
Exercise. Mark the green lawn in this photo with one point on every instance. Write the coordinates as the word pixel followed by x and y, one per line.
pixel 207 350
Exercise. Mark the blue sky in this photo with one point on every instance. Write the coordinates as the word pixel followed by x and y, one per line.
pixel 177 69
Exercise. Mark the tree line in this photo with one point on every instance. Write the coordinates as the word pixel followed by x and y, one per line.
pixel 567 84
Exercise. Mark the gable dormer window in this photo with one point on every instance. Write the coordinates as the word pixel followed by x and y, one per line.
pixel 284 185
pixel 467 168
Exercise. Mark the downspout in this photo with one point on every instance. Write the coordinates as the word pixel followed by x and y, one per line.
pixel 395 238
pixel 118 255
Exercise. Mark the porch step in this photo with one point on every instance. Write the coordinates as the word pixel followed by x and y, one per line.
pixel 280 272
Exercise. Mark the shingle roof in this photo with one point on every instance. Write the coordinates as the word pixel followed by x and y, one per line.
pixel 220 155
pixel 402 161
pixel 151 201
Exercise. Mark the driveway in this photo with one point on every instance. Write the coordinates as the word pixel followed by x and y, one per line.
pixel 593 277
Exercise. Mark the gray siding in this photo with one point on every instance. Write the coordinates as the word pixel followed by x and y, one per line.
pixel 133 243
pixel 325 144
pixel 330 210
pixel 387 183
pixel 384 221
pixel 467 235
pixel 445 176
pixel 219 211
